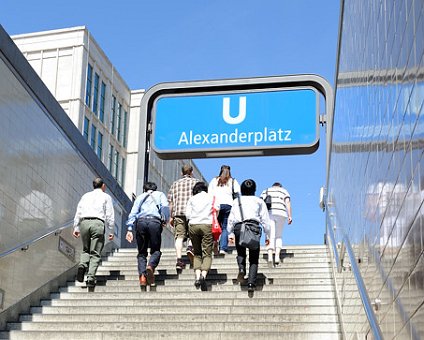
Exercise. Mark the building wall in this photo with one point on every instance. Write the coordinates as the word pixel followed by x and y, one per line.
pixel 45 168
pixel 62 59
pixel 376 187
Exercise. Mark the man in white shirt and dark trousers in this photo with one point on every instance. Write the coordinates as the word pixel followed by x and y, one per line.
pixel 279 213
pixel 255 210
pixel 94 213
pixel 148 216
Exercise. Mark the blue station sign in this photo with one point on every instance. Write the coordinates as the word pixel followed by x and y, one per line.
pixel 211 121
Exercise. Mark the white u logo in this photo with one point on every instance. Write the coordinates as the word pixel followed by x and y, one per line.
pixel 226 111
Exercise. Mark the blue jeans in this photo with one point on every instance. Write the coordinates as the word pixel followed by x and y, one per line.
pixel 224 212
pixel 148 234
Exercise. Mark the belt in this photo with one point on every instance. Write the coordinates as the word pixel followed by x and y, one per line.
pixel 92 218
pixel 150 218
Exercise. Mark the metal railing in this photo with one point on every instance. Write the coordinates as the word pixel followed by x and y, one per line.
pixel 368 308
pixel 26 244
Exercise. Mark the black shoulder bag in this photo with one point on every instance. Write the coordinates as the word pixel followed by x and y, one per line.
pixel 250 232
pixel 235 194
pixel 268 200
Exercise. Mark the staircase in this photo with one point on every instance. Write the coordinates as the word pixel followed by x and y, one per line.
pixel 295 300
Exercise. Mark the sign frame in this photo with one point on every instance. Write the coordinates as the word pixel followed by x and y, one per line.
pixel 229 87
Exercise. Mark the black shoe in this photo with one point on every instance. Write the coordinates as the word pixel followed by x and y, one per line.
pixel 91 283
pixel 240 276
pixel 80 273
pixel 251 287
pixel 197 284
pixel 203 286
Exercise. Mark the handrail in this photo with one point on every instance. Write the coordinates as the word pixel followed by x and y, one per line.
pixel 333 242
pixel 26 244
pixel 393 292
pixel 372 320
pixel 375 328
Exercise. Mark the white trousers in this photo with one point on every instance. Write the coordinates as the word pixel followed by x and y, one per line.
pixel 276 232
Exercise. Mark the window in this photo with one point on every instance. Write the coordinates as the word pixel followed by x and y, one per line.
pixel 118 122
pixel 85 128
pixel 123 172
pixel 99 145
pixel 124 129
pixel 88 85
pixel 115 172
pixel 96 94
pixel 93 136
pixel 110 158
pixel 112 115
pixel 102 102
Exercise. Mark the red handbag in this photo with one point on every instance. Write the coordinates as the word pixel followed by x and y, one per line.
pixel 216 228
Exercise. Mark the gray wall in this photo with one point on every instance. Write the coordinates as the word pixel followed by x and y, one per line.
pixel 45 167
pixel 376 187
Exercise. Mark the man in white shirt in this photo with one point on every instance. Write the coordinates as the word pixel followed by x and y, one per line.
pixel 280 212
pixel 254 210
pixel 94 213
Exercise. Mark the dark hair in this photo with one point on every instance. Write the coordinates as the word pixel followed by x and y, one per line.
pixel 277 184
pixel 224 175
pixel 199 187
pixel 98 183
pixel 150 186
pixel 248 187
pixel 187 169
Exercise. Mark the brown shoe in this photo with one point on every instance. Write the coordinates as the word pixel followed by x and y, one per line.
pixel 150 275
pixel 143 280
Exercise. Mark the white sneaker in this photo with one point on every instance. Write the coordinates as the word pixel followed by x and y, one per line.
pixel 223 252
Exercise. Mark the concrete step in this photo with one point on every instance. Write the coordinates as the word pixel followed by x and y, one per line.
pixel 195 326
pixel 194 294
pixel 231 269
pixel 187 280
pixel 302 257
pixel 190 309
pixel 160 335
pixel 178 286
pixel 141 317
pixel 225 275
pixel 132 263
pixel 208 300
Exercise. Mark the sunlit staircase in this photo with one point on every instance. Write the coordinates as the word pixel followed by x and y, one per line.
pixel 295 300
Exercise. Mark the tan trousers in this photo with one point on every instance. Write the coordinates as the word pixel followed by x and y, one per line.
pixel 201 237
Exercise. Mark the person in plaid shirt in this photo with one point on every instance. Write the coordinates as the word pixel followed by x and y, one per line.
pixel 178 195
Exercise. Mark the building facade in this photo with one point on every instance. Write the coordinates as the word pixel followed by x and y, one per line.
pixel 93 94
pixel 376 179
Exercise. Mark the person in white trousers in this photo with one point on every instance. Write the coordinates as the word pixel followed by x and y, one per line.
pixel 279 213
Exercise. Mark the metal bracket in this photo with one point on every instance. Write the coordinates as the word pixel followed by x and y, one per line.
pixel 376 304
pixel 322 119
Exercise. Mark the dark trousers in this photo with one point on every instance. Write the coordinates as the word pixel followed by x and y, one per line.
pixel 148 234
pixel 241 258
pixel 224 212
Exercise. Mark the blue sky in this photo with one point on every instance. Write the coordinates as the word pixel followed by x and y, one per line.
pixel 150 42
